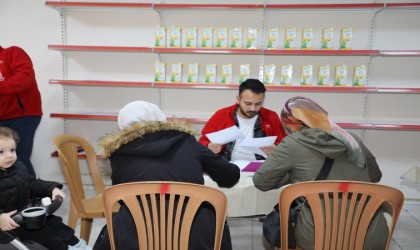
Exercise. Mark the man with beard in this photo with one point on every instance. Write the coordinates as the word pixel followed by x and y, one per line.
pixel 252 119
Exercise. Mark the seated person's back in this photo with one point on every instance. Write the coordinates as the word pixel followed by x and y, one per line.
pixel 313 136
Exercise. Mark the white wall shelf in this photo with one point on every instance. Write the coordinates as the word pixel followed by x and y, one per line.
pixel 234 86
pixel 122 5
pixel 296 52
pixel 366 55
pixel 103 116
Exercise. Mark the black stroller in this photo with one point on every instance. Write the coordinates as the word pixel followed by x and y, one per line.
pixel 32 218
pixel 8 242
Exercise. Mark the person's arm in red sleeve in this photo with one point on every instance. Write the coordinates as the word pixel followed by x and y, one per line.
pixel 204 140
pixel 21 73
pixel 272 126
pixel 210 127
pixel 278 130
pixel 220 120
pixel 214 124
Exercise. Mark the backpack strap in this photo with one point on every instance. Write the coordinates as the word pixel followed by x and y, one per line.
pixel 325 170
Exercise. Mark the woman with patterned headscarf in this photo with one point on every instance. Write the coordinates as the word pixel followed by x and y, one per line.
pixel 313 137
pixel 149 147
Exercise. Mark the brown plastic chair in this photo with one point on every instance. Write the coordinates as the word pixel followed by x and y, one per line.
pixel 171 233
pixel 353 205
pixel 85 208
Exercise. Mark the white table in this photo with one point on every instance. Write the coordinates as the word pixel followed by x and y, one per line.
pixel 246 200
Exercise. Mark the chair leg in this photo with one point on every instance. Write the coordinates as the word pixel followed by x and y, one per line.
pixel 85 228
pixel 72 220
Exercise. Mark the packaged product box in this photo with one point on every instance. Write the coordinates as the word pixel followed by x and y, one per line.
pixel 327 38
pixel 193 73
pixel 306 78
pixel 360 76
pixel 269 73
pixel 160 72
pixel 286 75
pixel 324 75
pixel 290 38
pixel 175 37
pixel 273 38
pixel 236 39
pixel 211 73
pixel 160 37
pixel 176 72
pixel 252 38
pixel 340 78
pixel 226 73
pixel 191 37
pixel 346 38
pixel 221 37
pixel 307 38
pixel 244 72
pixel 207 37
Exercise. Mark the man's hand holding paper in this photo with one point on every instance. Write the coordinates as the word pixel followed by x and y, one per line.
pixel 225 135
pixel 259 146
pixel 217 139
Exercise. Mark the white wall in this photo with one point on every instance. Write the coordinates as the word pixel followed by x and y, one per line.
pixel 33 26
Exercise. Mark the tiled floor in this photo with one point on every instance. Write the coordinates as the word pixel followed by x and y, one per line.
pixel 247 232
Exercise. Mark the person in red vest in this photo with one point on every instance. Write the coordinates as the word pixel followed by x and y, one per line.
pixel 252 120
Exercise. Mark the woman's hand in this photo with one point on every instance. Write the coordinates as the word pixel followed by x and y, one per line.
pixel 216 148
pixel 269 149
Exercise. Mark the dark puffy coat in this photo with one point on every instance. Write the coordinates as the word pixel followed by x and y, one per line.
pixel 166 151
pixel 17 187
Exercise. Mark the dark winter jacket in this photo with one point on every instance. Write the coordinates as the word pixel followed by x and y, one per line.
pixel 17 187
pixel 166 151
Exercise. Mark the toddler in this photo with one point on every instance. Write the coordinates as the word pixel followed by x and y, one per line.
pixel 17 188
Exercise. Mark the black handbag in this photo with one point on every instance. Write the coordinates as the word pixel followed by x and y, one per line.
pixel 271 224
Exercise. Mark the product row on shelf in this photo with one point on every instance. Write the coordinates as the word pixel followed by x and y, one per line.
pixel 225 74
pixel 249 38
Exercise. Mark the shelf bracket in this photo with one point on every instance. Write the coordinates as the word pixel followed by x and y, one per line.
pixel 64 66
pixel 261 69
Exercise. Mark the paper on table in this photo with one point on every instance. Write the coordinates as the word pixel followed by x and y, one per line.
pixel 255 144
pixel 225 135
pixel 413 174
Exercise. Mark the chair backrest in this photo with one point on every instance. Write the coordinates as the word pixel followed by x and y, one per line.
pixel 178 202
pixel 68 147
pixel 342 210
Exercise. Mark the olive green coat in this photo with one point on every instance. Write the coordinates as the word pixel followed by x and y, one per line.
pixel 300 157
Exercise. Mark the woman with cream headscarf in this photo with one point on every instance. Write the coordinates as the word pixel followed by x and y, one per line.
pixel 313 136
pixel 151 148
